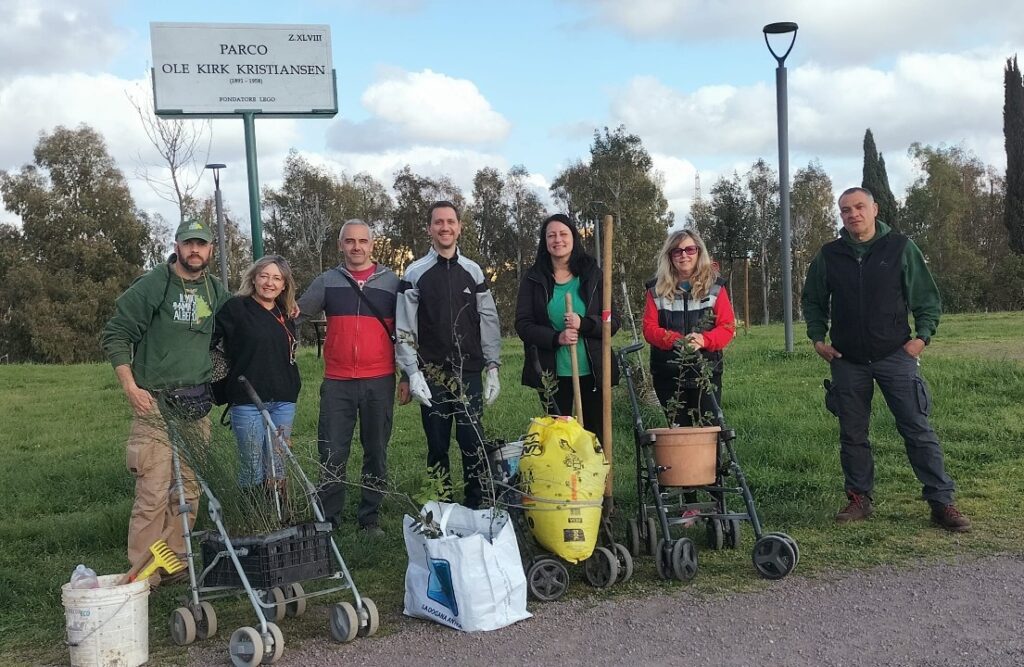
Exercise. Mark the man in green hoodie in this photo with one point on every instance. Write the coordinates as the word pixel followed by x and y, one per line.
pixel 868 280
pixel 159 341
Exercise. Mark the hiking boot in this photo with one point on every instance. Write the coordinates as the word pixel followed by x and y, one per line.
pixel 950 518
pixel 858 509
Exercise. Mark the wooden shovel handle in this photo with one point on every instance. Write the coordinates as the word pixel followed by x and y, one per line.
pixel 577 396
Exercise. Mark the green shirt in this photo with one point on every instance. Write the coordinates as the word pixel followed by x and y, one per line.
pixel 556 313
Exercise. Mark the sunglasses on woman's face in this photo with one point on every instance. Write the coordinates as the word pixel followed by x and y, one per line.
pixel 676 253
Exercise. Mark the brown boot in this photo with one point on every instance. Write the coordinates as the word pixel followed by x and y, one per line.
pixel 858 509
pixel 950 518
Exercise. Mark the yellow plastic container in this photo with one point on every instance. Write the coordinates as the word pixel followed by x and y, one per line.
pixel 562 473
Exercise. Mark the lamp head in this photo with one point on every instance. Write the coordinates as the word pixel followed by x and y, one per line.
pixel 781 28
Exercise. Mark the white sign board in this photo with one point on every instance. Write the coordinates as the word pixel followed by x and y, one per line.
pixel 225 69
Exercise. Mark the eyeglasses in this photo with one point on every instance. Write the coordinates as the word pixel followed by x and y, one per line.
pixel 676 253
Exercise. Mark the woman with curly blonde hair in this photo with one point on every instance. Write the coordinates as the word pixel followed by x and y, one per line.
pixel 686 305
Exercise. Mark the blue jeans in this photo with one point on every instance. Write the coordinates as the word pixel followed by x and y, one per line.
pixel 254 443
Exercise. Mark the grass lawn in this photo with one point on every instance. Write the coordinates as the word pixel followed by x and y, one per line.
pixel 67 495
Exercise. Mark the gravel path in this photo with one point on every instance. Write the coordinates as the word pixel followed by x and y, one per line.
pixel 968 614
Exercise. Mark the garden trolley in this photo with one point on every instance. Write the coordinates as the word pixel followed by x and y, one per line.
pixel 541 509
pixel 269 570
pixel 667 491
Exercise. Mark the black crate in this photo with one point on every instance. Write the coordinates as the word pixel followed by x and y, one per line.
pixel 285 556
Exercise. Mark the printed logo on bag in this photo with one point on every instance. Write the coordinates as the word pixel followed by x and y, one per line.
pixel 573 535
pixel 439 585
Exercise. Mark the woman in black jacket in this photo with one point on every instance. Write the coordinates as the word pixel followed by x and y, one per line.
pixel 547 330
pixel 258 335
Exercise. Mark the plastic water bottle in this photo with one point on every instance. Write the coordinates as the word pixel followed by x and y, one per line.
pixel 84 577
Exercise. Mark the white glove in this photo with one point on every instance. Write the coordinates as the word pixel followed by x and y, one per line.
pixel 419 389
pixel 492 386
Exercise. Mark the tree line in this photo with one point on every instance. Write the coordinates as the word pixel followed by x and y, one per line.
pixel 83 239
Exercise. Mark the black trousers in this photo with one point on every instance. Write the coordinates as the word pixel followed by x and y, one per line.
pixel 690 400
pixel 909 400
pixel 445 409
pixel 343 402
pixel 590 398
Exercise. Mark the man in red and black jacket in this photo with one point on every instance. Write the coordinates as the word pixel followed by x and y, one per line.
pixel 359 371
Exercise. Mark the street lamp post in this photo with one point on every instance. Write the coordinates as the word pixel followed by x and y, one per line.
pixel 222 246
pixel 781 101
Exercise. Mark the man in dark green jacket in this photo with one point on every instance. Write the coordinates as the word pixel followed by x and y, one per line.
pixel 867 281
pixel 158 341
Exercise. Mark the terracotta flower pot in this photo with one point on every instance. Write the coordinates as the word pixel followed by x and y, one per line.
pixel 689 454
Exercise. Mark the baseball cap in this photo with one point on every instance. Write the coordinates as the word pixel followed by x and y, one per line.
pixel 193 229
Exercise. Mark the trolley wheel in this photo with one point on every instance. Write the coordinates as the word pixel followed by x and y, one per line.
pixel 245 647
pixel 652 537
pixel 183 626
pixel 732 533
pixel 547 579
pixel 633 537
pixel 275 597
pixel 793 544
pixel 602 568
pixel 274 649
pixel 343 622
pixel 684 559
pixel 662 559
pixel 206 624
pixel 773 557
pixel 715 534
pixel 296 607
pixel 625 559
pixel 372 619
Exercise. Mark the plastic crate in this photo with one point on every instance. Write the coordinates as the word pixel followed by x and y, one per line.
pixel 299 553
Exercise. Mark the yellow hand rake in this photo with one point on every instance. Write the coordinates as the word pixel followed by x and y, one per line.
pixel 161 558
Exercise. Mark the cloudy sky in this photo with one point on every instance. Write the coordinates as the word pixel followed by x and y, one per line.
pixel 449 87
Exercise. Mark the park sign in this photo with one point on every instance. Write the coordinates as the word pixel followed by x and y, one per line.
pixel 234 69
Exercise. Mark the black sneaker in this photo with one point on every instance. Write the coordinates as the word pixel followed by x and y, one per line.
pixel 858 509
pixel 950 518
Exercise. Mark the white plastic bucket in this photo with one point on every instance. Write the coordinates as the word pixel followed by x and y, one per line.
pixel 108 625
pixel 506 458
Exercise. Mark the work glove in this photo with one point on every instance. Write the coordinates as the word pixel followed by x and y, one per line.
pixel 419 389
pixel 492 386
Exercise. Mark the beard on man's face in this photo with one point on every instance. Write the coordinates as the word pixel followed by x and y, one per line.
pixel 194 262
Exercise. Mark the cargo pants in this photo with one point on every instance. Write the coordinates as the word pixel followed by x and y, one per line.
pixel 909 400
pixel 155 512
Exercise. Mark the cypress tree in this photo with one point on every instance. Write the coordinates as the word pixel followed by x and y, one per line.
pixel 876 180
pixel 1013 133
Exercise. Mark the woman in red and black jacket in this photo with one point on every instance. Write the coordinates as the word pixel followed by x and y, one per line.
pixel 547 330
pixel 687 304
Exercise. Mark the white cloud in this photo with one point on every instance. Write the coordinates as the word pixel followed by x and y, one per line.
pixel 44 37
pixel 460 165
pixel 830 30
pixel 420 108
pixel 101 101
pixel 927 98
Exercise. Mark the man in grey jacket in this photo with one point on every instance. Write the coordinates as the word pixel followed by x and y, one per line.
pixel 448 324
